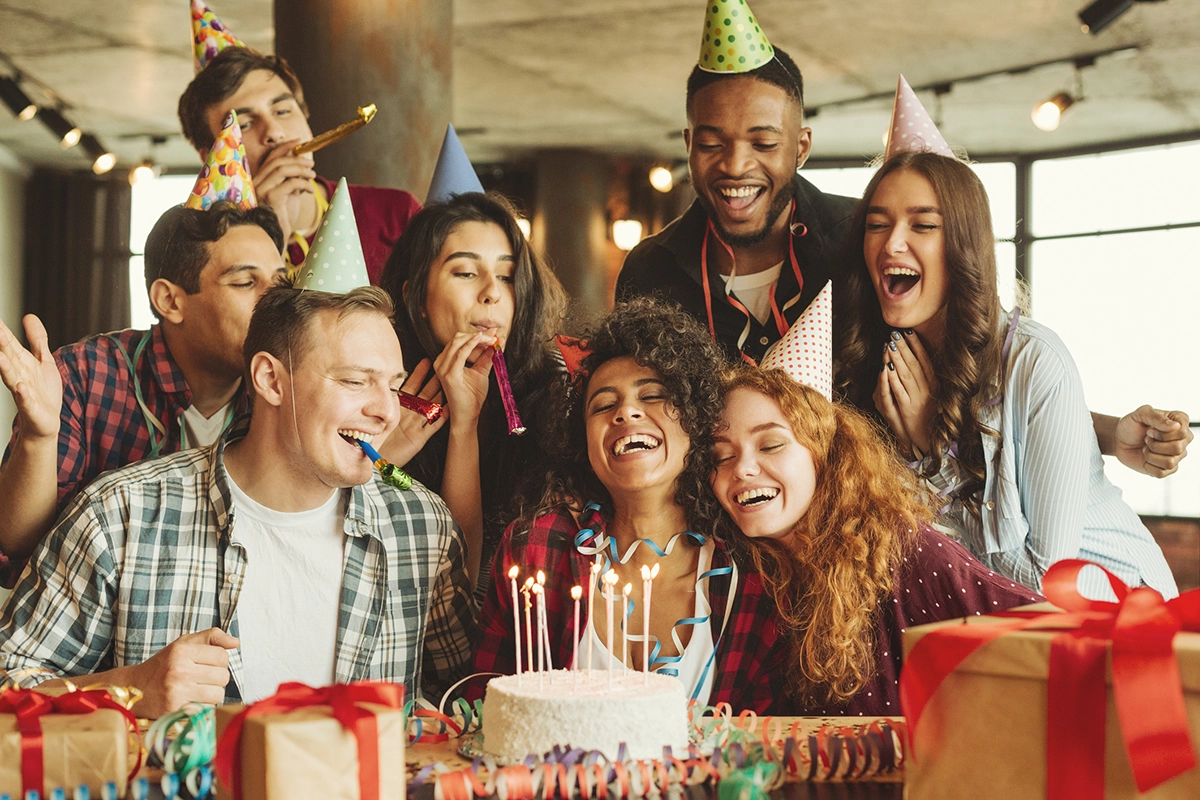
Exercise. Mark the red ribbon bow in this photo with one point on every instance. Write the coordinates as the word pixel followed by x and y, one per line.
pixel 30 706
pixel 1147 692
pixel 343 699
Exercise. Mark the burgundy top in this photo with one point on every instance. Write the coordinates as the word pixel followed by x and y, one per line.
pixel 382 215
pixel 939 580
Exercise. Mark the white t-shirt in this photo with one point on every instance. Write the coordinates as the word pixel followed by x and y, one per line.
pixel 201 431
pixel 754 291
pixel 287 612
pixel 696 653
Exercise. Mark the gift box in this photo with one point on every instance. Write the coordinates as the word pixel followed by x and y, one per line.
pixel 341 743
pixel 82 742
pixel 1025 704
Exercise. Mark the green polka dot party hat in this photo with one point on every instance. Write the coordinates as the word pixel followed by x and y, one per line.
pixel 335 260
pixel 733 40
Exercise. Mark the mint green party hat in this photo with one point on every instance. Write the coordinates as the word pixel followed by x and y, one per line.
pixel 335 260
pixel 733 39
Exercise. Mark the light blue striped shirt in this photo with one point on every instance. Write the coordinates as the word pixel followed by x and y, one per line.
pixel 1046 497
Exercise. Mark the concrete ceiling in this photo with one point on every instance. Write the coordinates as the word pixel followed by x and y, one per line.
pixel 610 76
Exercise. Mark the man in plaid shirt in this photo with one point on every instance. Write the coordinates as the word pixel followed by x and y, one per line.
pixel 165 576
pixel 118 398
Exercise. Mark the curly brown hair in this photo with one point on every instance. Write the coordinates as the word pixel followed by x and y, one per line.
pixel 830 574
pixel 969 367
pixel 670 341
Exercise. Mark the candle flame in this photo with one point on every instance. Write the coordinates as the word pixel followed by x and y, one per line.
pixel 628 588
pixel 610 577
pixel 528 582
pixel 537 589
pixel 596 566
pixel 576 592
pixel 654 572
pixel 645 572
pixel 541 577
pixel 512 573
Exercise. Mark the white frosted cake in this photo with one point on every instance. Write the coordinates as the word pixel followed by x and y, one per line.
pixel 646 712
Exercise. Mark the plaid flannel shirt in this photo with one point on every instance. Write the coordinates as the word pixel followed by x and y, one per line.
pixel 146 554
pixel 750 654
pixel 102 427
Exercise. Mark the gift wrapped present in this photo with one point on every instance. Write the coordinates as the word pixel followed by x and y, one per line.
pixel 342 742
pixel 79 738
pixel 1080 699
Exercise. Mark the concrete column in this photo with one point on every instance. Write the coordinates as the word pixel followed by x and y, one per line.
pixel 570 224
pixel 397 55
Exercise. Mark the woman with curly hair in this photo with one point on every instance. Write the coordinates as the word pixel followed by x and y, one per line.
pixel 987 404
pixel 839 531
pixel 463 278
pixel 635 442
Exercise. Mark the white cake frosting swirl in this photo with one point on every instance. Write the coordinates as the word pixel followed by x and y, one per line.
pixel 524 715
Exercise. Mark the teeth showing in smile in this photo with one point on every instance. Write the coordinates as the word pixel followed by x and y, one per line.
pixel 900 280
pixel 741 191
pixel 346 433
pixel 638 441
pixel 753 497
pixel 901 271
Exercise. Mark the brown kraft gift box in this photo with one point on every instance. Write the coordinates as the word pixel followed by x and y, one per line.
pixel 983 733
pixel 77 749
pixel 307 753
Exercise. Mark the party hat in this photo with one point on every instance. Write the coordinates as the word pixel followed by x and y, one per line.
pixel 209 34
pixel 225 175
pixel 733 40
pixel 912 128
pixel 453 173
pixel 335 260
pixel 806 351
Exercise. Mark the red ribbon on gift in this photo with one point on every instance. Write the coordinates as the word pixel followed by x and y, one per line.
pixel 1140 627
pixel 343 699
pixel 30 706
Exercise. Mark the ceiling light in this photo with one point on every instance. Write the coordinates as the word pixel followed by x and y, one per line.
pixel 145 171
pixel 17 101
pixel 1102 13
pixel 1047 114
pixel 627 233
pixel 102 159
pixel 662 179
pixel 68 134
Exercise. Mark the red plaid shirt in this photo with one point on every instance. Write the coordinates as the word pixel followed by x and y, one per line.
pixel 102 426
pixel 749 653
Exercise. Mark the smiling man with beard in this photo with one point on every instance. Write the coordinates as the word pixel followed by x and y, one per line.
pixel 760 241
pixel 276 554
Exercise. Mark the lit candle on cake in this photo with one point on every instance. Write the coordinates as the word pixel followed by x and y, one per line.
pixel 512 577
pixel 626 611
pixel 576 593
pixel 593 579
pixel 647 585
pixel 610 583
pixel 525 590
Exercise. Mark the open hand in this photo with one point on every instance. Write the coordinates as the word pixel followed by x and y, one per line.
pixel 33 378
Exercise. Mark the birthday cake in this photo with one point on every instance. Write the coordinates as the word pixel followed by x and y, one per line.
pixel 533 712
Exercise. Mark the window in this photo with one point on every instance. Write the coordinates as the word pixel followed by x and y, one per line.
pixel 149 200
pixel 1113 271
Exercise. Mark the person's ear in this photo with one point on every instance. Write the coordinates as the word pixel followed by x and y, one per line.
pixel 803 146
pixel 268 378
pixel 169 300
pixel 687 139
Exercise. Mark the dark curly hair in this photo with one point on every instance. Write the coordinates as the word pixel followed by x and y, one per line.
pixel 969 369
pixel 670 341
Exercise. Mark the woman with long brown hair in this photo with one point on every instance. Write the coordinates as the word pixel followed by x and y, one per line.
pixel 839 532
pixel 987 404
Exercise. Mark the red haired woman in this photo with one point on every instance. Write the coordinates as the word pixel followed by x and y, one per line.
pixel 839 531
